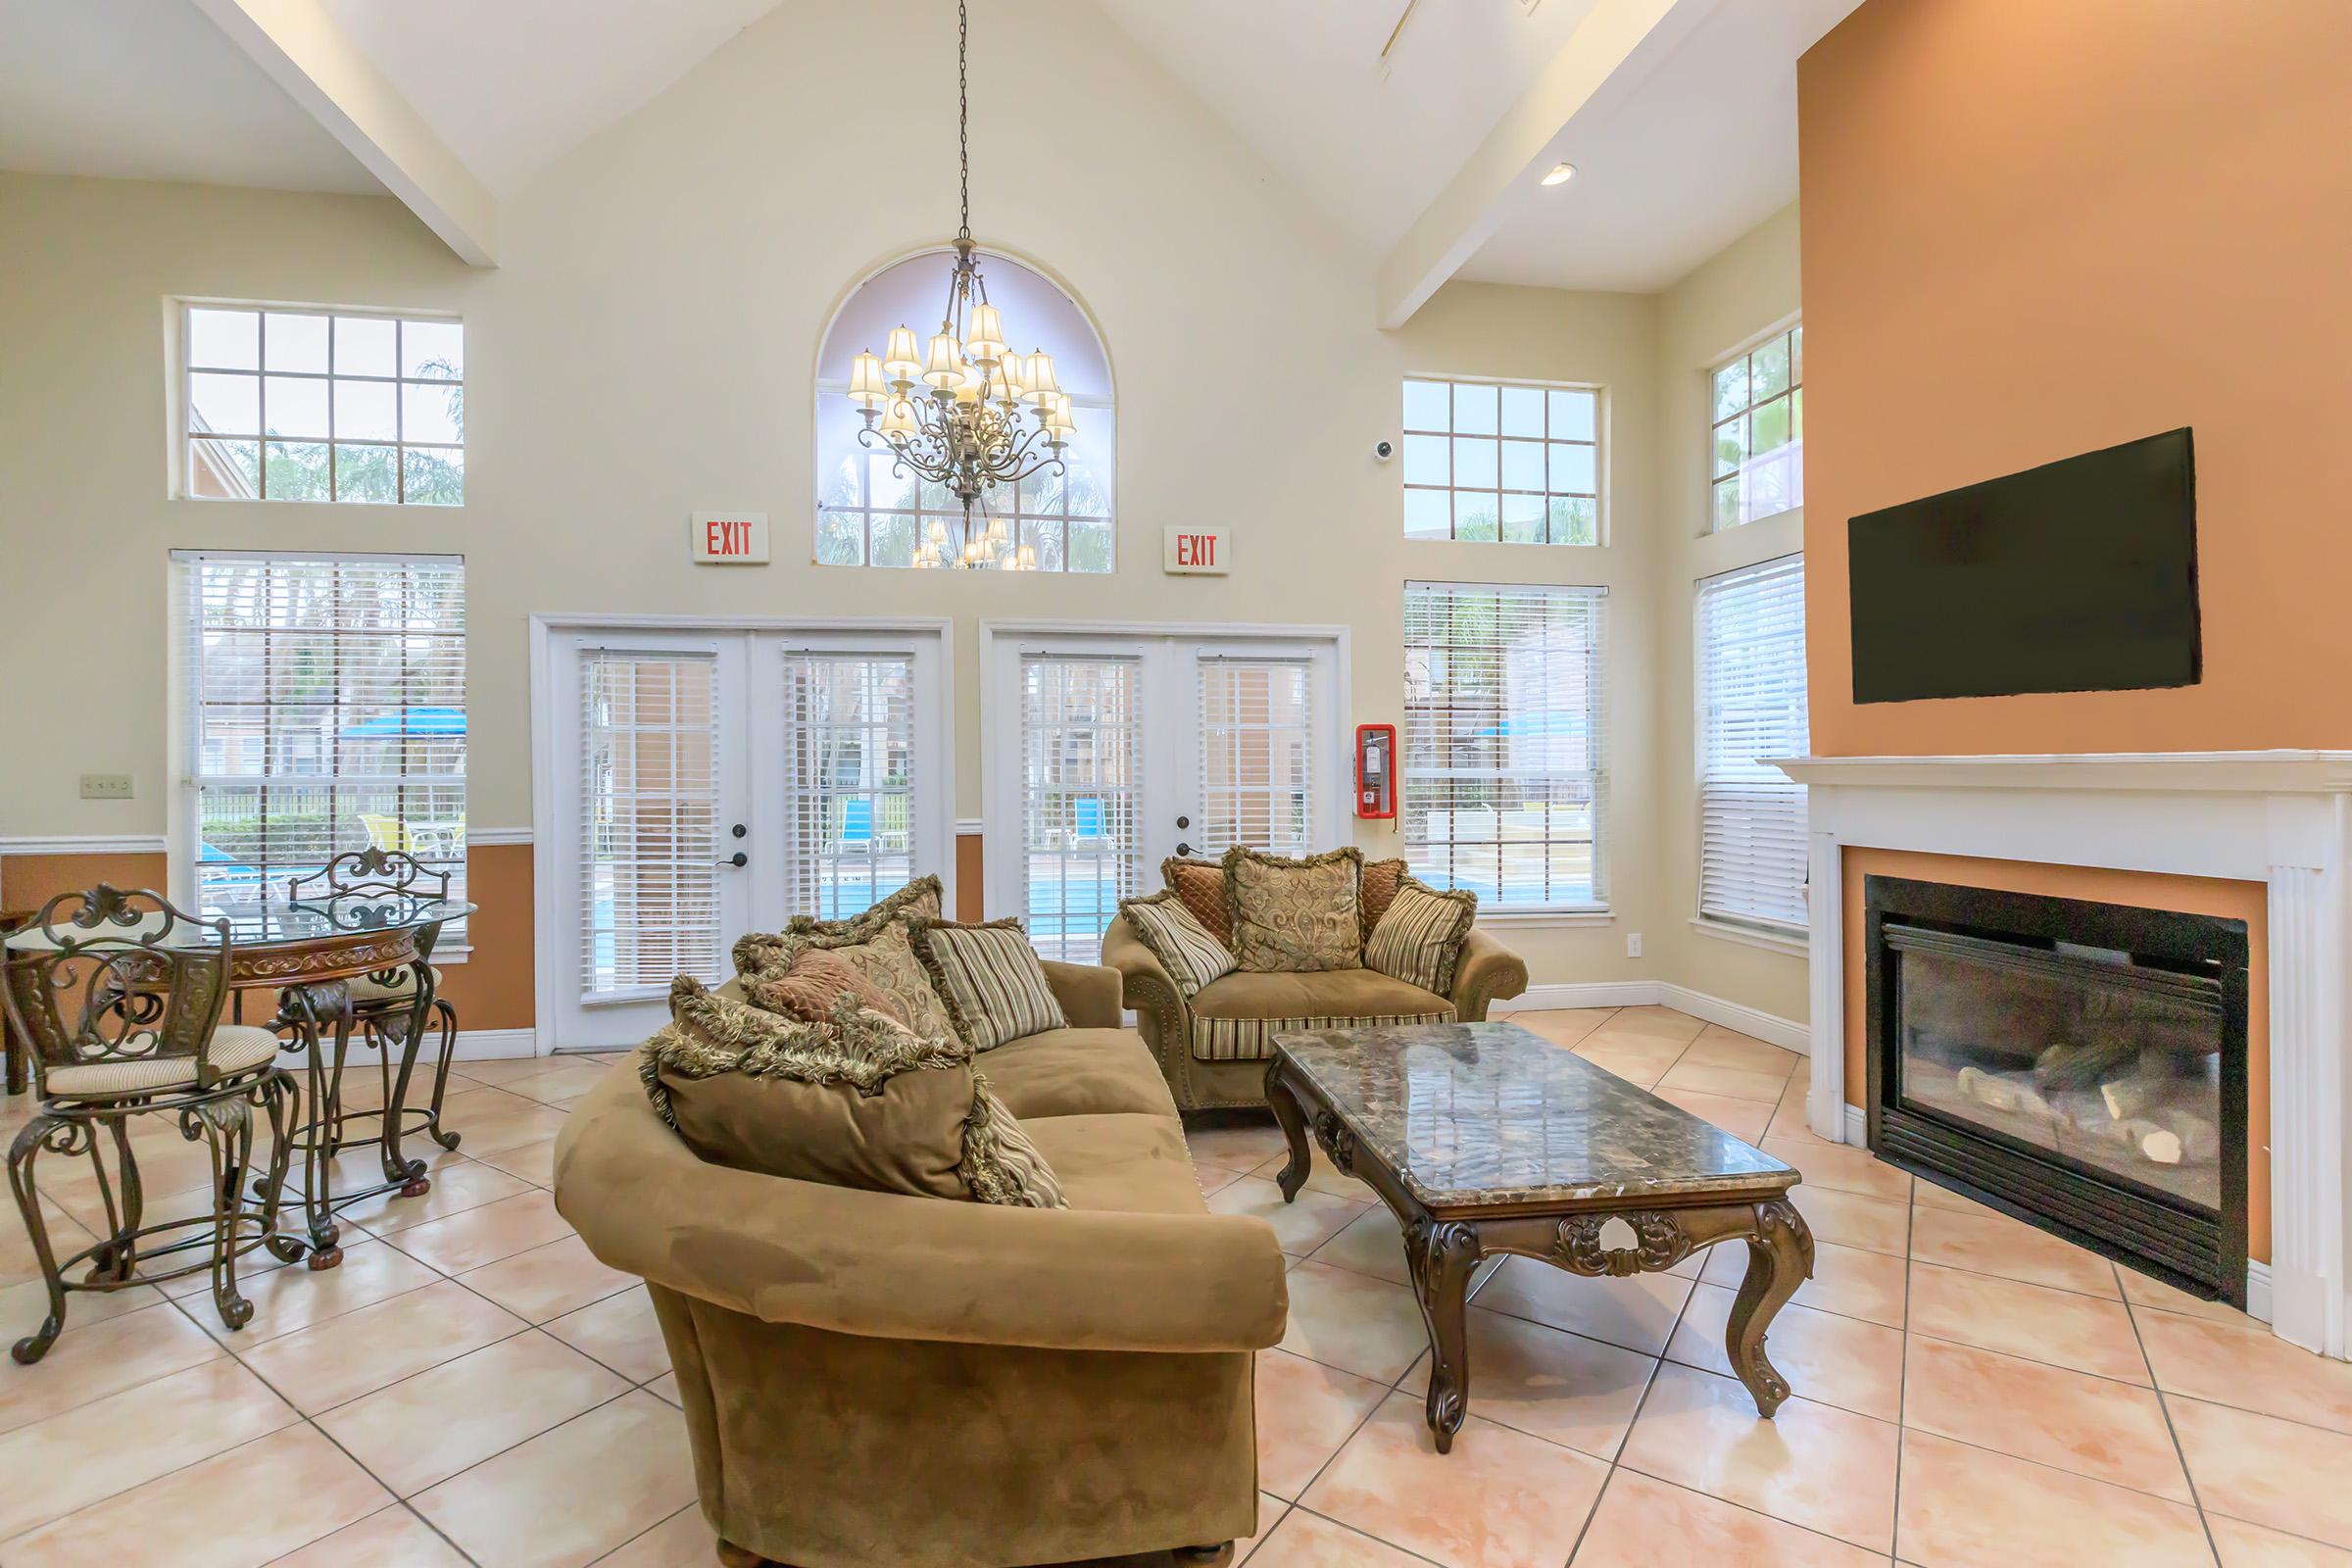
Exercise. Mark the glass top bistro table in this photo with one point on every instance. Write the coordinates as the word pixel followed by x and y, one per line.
pixel 1483 1138
pixel 308 951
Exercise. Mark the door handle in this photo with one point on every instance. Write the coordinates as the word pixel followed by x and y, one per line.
pixel 738 859
pixel 1183 849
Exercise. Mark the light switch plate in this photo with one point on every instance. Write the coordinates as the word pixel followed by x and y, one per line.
pixel 106 786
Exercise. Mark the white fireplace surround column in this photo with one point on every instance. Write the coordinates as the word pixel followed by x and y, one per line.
pixel 2282 819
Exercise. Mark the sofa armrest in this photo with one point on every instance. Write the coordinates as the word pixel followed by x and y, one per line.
pixel 1161 1016
pixel 1088 993
pixel 889 1266
pixel 1485 970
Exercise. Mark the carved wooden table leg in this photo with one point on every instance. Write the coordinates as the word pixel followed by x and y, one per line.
pixel 1440 1254
pixel 1780 1259
pixel 1292 1118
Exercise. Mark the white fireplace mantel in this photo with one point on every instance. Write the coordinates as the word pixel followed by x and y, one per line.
pixel 2283 818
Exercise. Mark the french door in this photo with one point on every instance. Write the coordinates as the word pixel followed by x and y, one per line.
pixel 1107 754
pixel 709 783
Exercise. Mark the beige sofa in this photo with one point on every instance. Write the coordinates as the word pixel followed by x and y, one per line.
pixel 877 1381
pixel 1214 1049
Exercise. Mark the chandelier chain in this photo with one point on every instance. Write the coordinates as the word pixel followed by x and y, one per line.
pixel 963 113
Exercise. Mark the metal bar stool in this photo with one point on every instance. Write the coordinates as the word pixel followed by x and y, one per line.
pixel 120 995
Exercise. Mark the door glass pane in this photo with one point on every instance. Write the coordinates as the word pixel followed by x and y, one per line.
pixel 849 787
pixel 648 819
pixel 1080 752
pixel 1256 745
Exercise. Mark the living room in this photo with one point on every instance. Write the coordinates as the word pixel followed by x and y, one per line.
pixel 1569 631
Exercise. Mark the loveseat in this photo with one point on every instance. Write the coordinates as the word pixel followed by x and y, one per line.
pixel 873 1380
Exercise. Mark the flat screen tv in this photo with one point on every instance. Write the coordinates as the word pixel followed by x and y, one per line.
pixel 2076 576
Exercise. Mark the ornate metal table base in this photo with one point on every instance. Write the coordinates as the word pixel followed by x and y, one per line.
pixel 1443 1245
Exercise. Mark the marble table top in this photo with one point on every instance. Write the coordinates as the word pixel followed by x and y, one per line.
pixel 1480 1115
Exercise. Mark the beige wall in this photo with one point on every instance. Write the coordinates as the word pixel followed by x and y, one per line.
pixel 647 350
pixel 1717 310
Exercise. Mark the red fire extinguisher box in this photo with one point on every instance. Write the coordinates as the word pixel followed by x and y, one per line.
pixel 1375 770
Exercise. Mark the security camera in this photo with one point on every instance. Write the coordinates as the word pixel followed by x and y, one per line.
pixel 1383 450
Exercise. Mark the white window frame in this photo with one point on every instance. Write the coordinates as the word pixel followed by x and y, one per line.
pixel 1791 331
pixel 1715 917
pixel 1599 445
pixel 190 745
pixel 184 437
pixel 1595 907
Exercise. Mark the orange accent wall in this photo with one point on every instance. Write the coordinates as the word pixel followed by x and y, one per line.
pixel 969 901
pixel 29 881
pixel 2034 229
pixel 2193 895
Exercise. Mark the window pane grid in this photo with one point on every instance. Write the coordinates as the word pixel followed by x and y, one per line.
pixel 313 406
pixel 1504 774
pixel 1751 696
pixel 1257 750
pixel 850 785
pixel 1501 461
pixel 1080 756
pixel 326 704
pixel 648 819
pixel 1756 460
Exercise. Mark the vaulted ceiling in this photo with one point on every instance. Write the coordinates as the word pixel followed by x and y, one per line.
pixel 1418 128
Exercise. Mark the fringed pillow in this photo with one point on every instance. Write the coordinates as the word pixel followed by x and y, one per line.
pixel 1164 923
pixel 1419 939
pixel 1382 878
pixel 813 987
pixel 1201 884
pixel 994 983
pixel 1296 916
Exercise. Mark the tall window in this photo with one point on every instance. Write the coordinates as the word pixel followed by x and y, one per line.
pixel 1505 769
pixel 1485 460
pixel 1080 757
pixel 1759 435
pixel 848 728
pixel 649 814
pixel 1751 705
pixel 869 514
pixel 325 711
pixel 1256 752
pixel 291 405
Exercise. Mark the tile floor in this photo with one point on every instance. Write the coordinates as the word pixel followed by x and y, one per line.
pixel 473 1387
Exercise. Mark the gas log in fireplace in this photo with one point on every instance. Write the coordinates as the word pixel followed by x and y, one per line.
pixel 2081 1065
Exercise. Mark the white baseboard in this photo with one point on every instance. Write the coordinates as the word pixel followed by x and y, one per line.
pixel 1787 1032
pixel 1857 1127
pixel 473 1044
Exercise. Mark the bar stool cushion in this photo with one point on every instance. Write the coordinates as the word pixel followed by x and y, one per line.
pixel 236 1048
pixel 402 987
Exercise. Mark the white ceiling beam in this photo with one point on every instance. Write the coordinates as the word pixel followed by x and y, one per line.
pixel 1617 44
pixel 307 52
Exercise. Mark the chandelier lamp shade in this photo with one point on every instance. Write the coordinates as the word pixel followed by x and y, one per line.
pixel 963 410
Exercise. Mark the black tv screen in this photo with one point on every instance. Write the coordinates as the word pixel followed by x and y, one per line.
pixel 2076 576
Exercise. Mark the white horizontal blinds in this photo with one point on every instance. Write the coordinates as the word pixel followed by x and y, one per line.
pixel 1081 750
pixel 1257 750
pixel 649 818
pixel 1751 700
pixel 1505 771
pixel 848 738
pixel 326 712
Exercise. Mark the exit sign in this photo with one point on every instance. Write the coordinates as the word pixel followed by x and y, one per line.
pixel 729 538
pixel 1197 552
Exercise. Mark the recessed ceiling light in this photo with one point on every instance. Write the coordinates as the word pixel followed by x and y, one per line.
pixel 1560 174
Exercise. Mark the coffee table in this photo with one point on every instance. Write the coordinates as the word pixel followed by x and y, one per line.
pixel 1483 1138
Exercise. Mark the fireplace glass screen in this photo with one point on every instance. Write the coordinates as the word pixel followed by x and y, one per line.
pixel 2076 1051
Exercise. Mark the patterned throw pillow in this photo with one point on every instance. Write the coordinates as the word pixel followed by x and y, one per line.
pixel 994 983
pixel 1164 923
pixel 772 952
pixel 815 984
pixel 1381 881
pixel 1419 939
pixel 879 947
pixel 1296 916
pixel 1201 884
pixel 856 1102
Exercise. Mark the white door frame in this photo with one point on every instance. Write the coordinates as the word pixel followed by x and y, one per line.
pixel 546 726
pixel 999 794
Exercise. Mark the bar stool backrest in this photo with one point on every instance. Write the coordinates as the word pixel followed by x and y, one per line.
pixel 370 870
pixel 119 976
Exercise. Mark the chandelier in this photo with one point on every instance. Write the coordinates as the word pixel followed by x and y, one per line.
pixel 954 415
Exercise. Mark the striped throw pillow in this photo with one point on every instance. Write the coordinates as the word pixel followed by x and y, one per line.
pixel 1420 941
pixel 1165 923
pixel 991 979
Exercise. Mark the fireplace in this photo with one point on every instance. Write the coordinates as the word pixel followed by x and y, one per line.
pixel 2080 1066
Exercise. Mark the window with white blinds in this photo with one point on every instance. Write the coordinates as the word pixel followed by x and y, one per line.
pixel 1751 705
pixel 1080 754
pixel 1256 754
pixel 1505 760
pixel 848 738
pixel 648 819
pixel 325 711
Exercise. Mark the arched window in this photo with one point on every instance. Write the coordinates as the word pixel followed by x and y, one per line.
pixel 868 515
